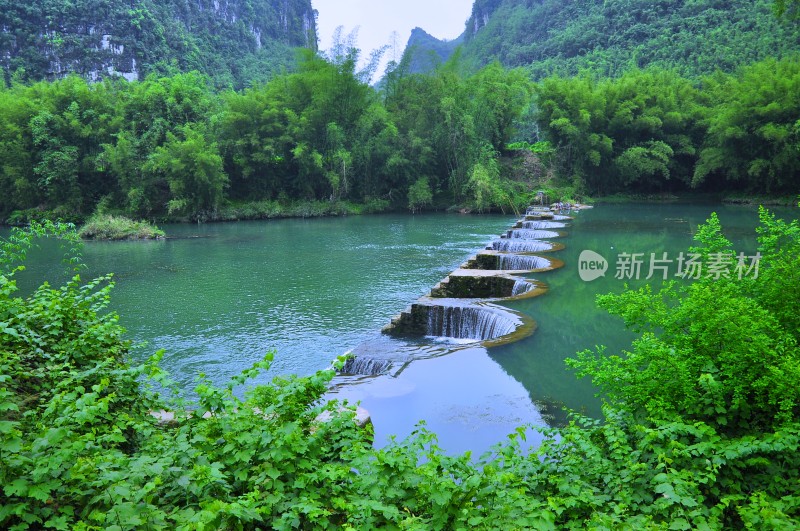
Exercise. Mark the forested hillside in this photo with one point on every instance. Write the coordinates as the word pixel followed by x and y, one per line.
pixel 691 37
pixel 235 42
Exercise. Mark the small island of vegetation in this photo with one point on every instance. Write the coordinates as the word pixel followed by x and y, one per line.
pixel 110 227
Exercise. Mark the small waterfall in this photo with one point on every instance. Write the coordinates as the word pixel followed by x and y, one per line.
pixel 522 246
pixel 469 322
pixel 540 225
pixel 365 366
pixel 534 210
pixel 521 287
pixel 527 234
pixel 516 262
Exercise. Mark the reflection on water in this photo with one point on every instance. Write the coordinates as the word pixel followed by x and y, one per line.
pixel 464 397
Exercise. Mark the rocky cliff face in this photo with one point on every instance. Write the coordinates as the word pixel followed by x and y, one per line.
pixel 482 10
pixel 234 41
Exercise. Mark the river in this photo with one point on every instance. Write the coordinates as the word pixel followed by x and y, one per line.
pixel 216 297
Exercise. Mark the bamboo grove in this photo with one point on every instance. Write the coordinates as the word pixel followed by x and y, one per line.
pixel 175 148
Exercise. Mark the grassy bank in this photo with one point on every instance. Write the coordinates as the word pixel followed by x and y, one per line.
pixel 745 199
pixel 268 209
pixel 109 227
pixel 639 198
pixel 736 199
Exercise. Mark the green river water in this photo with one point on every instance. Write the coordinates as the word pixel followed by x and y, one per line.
pixel 217 297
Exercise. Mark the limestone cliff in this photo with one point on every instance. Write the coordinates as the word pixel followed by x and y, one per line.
pixel 482 10
pixel 234 41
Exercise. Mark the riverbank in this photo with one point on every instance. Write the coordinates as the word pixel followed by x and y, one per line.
pixel 729 199
pixel 270 209
pixel 232 211
pixel 784 201
pixel 273 209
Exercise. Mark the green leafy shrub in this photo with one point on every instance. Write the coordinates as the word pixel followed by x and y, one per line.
pixel 419 194
pixel 717 350
pixel 715 376
pixel 81 450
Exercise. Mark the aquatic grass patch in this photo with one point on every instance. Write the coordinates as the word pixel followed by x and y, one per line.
pixel 272 209
pixel 624 198
pixel 766 200
pixel 110 227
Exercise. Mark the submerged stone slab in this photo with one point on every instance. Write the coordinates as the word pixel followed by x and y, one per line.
pixel 522 263
pixel 485 284
pixel 542 225
pixel 460 319
pixel 528 234
pixel 519 245
pixel 362 417
pixel 536 213
pixel 367 366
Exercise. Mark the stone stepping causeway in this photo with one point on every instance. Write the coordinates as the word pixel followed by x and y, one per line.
pixel 463 308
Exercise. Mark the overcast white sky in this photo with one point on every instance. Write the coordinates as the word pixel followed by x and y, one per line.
pixel 377 19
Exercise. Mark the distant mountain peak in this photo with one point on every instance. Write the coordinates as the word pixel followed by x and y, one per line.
pixel 424 51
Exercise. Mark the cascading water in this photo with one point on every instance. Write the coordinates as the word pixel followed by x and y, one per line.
pixel 522 287
pixel 527 234
pixel 543 225
pixel 523 246
pixel 450 310
pixel 516 262
pixel 365 366
pixel 469 322
pixel 535 210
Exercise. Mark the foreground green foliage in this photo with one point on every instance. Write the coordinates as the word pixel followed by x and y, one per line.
pixel 716 373
pixel 702 427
